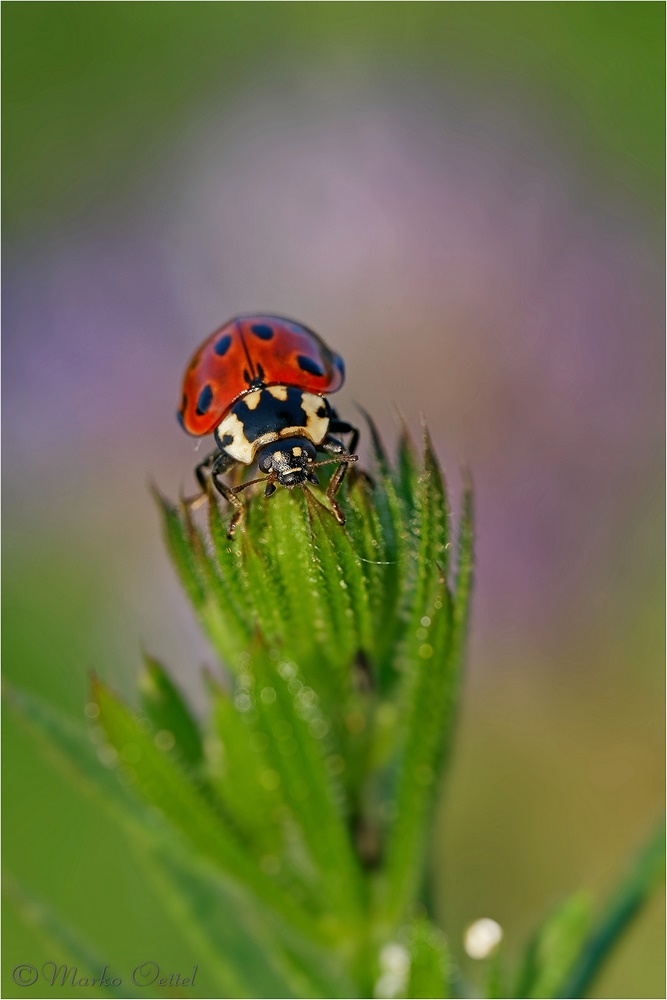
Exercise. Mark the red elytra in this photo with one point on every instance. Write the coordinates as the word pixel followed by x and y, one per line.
pixel 248 352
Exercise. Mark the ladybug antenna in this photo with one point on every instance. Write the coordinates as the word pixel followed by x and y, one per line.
pixel 337 460
pixel 253 482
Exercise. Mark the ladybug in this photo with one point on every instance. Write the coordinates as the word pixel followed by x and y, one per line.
pixel 259 385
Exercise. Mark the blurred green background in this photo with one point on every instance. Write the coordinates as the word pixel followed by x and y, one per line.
pixel 466 200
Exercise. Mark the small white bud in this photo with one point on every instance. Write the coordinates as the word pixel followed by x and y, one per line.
pixel 482 938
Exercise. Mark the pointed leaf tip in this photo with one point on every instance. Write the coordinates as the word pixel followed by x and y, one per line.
pixel 378 447
pixel 169 713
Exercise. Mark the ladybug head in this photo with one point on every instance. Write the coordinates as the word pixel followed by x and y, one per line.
pixel 288 461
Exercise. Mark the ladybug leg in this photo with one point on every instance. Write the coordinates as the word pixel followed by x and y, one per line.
pixel 221 464
pixel 200 469
pixel 203 466
pixel 342 427
pixel 337 448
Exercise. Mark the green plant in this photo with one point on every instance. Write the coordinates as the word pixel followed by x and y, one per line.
pixel 288 830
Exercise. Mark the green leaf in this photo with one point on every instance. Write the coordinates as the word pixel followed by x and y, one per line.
pixel 647 872
pixel 289 714
pixel 377 531
pixel 233 947
pixel 398 571
pixel 304 808
pixel 243 773
pixel 431 660
pixel 495 979
pixel 212 595
pixel 308 798
pixel 228 624
pixel 161 782
pixel 423 726
pixel 69 747
pixel 238 770
pixel 439 513
pixel 166 709
pixel 430 962
pixel 551 953
pixel 229 559
pixel 72 955
pixel 379 452
pixel 406 476
pixel 317 634
pixel 367 541
pixel 430 529
pixel 272 613
pixel 180 550
pixel 345 580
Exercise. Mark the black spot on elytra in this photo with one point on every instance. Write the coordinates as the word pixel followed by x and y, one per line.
pixel 204 401
pixel 222 346
pixel 260 372
pixel 226 440
pixel 179 414
pixel 307 365
pixel 262 331
pixel 246 376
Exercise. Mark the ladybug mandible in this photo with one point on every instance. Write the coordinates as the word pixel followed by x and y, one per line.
pixel 258 383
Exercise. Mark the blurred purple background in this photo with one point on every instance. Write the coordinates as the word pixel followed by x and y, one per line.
pixel 461 265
